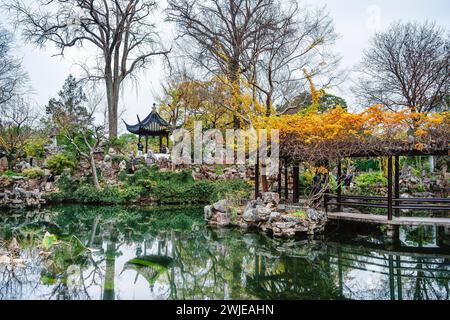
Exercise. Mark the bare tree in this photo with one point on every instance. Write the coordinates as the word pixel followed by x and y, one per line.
pixel 85 137
pixel 267 43
pixel 224 33
pixel 407 66
pixel 121 31
pixel 11 75
pixel 17 118
pixel 301 40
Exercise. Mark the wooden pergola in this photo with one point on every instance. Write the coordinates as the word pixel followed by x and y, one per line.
pixel 152 126
pixel 393 202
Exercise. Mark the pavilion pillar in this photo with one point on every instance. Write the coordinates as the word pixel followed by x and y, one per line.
pixel 397 185
pixel 146 144
pixel 257 177
pixel 339 188
pixel 296 177
pixel 286 181
pixel 390 203
pixel 160 143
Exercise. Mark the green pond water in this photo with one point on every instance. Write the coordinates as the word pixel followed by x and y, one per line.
pixel 168 253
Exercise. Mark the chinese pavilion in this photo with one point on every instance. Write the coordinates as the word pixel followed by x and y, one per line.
pixel 152 126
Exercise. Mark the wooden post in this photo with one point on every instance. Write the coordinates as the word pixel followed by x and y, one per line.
pixel 280 175
pixel 390 211
pixel 296 177
pixel 340 272
pixel 397 185
pixel 399 279
pixel 391 278
pixel 339 189
pixel 160 143
pixel 257 176
pixel 286 181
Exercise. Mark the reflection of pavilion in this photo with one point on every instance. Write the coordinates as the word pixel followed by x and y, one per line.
pixel 149 267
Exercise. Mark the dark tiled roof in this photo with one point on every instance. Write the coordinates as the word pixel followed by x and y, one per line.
pixel 152 124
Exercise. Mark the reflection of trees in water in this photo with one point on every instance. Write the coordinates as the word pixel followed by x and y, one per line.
pixel 222 264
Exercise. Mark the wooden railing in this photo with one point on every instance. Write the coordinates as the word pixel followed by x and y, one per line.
pixel 392 205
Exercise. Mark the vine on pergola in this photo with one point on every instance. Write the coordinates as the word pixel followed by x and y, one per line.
pixel 337 133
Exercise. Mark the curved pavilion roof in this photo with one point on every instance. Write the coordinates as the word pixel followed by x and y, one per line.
pixel 153 124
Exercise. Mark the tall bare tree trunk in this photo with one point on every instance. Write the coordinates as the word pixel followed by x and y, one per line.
pixel 112 94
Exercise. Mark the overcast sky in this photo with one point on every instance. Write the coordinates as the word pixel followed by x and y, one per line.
pixel 355 21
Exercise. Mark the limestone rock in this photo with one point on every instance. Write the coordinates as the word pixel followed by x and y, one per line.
pixel 262 213
pixel 274 216
pixel 223 219
pixel 315 215
pixel 208 212
pixel 222 206
pixel 249 215
pixel 271 197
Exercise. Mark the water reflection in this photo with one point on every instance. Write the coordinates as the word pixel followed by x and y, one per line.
pixel 140 255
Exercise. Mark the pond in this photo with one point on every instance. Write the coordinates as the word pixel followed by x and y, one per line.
pixel 168 253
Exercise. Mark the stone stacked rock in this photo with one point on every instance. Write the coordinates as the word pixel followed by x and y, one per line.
pixel 107 168
pixel 219 214
pixel 20 198
pixel 268 215
pixel 230 173
pixel 3 164
pixel 19 193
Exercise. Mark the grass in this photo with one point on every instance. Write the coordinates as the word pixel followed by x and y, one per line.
pixel 299 214
pixel 10 173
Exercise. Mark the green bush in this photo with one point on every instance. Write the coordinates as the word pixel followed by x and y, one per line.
pixel 86 193
pixel 366 182
pixel 33 173
pixel 36 148
pixel 60 162
pixel 162 187
pixel 199 192
pixel 67 184
pixel 367 164
pixel 306 180
pixel 420 188
pixel 224 189
pixel 124 144
pixel 123 176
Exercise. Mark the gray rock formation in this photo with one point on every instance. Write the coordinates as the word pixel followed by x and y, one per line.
pixel 265 215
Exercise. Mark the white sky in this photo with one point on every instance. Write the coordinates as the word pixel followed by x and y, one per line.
pixel 355 21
